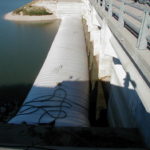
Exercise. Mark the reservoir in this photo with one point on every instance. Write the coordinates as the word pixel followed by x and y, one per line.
pixel 23 49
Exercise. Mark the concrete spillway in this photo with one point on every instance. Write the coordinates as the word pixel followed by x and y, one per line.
pixel 60 91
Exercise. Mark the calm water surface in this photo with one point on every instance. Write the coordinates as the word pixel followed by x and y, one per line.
pixel 23 48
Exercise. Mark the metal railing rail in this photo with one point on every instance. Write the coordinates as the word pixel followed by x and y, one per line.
pixel 120 12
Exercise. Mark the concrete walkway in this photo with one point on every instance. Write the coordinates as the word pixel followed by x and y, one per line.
pixel 60 91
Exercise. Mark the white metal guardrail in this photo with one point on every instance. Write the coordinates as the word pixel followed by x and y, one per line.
pixel 117 51
pixel 138 25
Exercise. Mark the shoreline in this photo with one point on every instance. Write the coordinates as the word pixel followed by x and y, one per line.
pixel 12 17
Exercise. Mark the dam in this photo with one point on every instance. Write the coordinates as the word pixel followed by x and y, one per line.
pixel 98 64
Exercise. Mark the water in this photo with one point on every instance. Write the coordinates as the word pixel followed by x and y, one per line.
pixel 23 48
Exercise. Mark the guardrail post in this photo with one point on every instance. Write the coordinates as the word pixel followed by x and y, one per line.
pixel 121 13
pixel 110 8
pixel 92 15
pixel 142 38
pixel 99 2
pixel 103 5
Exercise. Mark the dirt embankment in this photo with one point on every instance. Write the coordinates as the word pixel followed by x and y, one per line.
pixel 30 12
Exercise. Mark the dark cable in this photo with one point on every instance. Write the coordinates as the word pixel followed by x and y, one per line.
pixel 50 109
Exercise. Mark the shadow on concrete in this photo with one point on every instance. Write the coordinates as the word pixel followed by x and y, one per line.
pixel 44 134
pixel 60 101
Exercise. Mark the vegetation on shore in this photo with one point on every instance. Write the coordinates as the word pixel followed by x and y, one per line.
pixel 31 10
